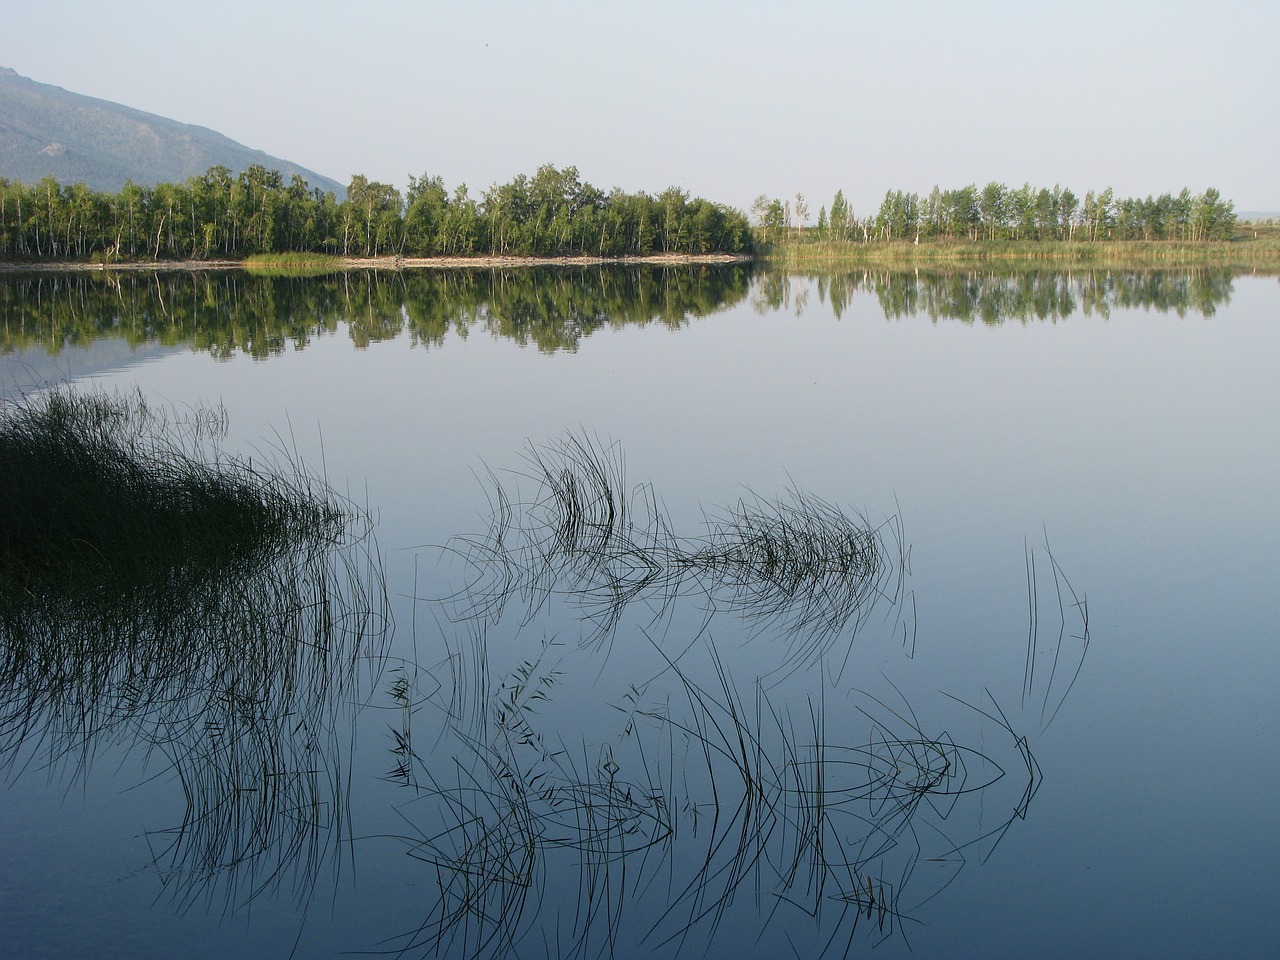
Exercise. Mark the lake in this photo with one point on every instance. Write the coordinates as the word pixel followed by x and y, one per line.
pixel 708 611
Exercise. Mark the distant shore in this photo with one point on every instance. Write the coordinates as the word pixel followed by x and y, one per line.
pixel 379 263
pixel 803 253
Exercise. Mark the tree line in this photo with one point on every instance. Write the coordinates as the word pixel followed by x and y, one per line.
pixel 221 215
pixel 998 212
pixel 553 213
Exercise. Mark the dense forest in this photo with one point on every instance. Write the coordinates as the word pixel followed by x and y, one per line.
pixel 218 215
pixel 998 212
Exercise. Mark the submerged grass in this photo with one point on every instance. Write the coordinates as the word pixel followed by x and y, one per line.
pixel 714 799
pixel 163 597
pixel 708 810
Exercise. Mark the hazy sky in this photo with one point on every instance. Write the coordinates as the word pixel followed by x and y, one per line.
pixel 725 99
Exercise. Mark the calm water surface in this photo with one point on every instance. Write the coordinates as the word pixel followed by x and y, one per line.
pixel 655 751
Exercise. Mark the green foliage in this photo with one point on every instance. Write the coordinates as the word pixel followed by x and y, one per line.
pixel 1000 213
pixel 771 217
pixel 216 215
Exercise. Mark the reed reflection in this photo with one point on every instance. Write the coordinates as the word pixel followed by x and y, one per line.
pixel 159 598
pixel 597 760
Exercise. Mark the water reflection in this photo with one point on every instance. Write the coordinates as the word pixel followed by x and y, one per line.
pixel 603 773
pixel 230 313
pixel 624 735
pixel 998 295
pixel 159 599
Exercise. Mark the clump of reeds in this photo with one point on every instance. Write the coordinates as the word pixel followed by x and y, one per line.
pixel 160 595
pixel 715 806
pixel 798 562
pixel 802 564
pixel 104 493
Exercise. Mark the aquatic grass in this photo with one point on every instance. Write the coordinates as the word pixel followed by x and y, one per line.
pixel 1053 663
pixel 742 821
pixel 711 809
pixel 798 565
pixel 584 522
pixel 833 830
pixel 494 831
pixel 1031 786
pixel 163 598
pixel 483 846
pixel 728 808
pixel 801 568
pixel 579 534
pixel 517 800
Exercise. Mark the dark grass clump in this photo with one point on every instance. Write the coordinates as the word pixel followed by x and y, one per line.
pixel 571 527
pixel 103 493
pixel 802 566
pixel 161 597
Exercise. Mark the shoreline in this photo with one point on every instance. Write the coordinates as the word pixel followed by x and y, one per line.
pixel 1052 255
pixel 382 263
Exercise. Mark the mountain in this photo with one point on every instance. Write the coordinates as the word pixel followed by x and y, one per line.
pixel 48 131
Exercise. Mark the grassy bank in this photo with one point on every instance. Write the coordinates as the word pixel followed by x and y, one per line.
pixel 1243 251
pixel 292 264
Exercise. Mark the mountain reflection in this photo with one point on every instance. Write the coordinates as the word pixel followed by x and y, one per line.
pixel 231 313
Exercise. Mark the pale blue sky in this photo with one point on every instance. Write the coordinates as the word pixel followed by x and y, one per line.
pixel 725 99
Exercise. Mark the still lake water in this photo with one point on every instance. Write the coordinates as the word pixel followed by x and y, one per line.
pixel 661 748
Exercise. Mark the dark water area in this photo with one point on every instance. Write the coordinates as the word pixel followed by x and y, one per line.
pixel 708 612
